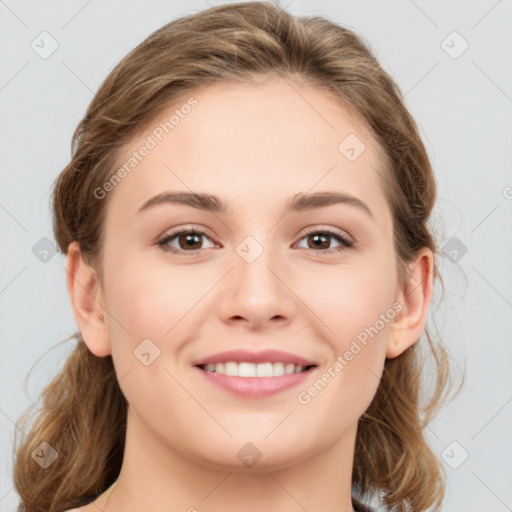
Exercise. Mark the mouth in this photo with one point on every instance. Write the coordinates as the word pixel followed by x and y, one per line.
pixel 246 369
pixel 255 374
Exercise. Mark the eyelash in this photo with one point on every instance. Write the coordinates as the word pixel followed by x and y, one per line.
pixel 344 241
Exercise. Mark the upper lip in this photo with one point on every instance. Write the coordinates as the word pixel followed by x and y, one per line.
pixel 264 356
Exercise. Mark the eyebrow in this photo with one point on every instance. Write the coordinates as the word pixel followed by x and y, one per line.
pixel 298 203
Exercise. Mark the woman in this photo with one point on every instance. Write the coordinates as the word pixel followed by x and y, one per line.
pixel 250 269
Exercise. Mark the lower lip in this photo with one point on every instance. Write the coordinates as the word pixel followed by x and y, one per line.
pixel 256 387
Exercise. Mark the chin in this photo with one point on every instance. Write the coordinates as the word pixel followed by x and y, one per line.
pixel 254 454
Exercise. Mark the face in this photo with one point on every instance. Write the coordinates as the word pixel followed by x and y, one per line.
pixel 308 290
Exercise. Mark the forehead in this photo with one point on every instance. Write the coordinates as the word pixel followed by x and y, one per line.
pixel 251 144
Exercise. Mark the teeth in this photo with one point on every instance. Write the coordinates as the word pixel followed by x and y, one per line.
pixel 245 369
pixel 231 369
pixel 264 370
pixel 278 369
pixel 289 368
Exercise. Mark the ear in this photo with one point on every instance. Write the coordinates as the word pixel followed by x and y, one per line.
pixel 87 301
pixel 415 297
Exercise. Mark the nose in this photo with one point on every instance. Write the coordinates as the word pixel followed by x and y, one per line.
pixel 256 292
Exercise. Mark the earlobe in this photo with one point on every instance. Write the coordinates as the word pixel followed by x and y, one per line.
pixel 414 297
pixel 87 302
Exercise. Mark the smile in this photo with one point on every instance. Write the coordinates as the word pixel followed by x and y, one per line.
pixel 253 375
pixel 246 369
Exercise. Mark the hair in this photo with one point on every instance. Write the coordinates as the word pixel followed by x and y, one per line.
pixel 83 412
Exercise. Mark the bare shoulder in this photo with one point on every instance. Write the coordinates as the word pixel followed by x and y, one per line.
pixel 90 507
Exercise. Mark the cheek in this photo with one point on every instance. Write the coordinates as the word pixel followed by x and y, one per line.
pixel 347 384
pixel 359 311
pixel 155 301
pixel 354 299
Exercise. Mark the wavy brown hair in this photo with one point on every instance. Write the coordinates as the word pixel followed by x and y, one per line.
pixel 83 412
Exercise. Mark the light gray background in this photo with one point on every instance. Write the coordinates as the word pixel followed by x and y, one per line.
pixel 463 106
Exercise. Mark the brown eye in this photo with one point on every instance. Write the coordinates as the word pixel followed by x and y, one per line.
pixel 187 240
pixel 321 240
pixel 190 241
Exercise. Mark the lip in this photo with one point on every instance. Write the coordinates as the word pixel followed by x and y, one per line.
pixel 264 356
pixel 255 387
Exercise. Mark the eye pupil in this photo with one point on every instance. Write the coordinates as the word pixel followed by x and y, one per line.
pixel 316 238
pixel 191 238
pixel 191 241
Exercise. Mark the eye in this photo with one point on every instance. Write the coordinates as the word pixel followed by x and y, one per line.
pixel 318 240
pixel 189 240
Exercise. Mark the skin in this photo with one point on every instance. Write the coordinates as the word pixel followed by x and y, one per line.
pixel 254 146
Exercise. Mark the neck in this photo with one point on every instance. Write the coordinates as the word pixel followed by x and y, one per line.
pixel 155 478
